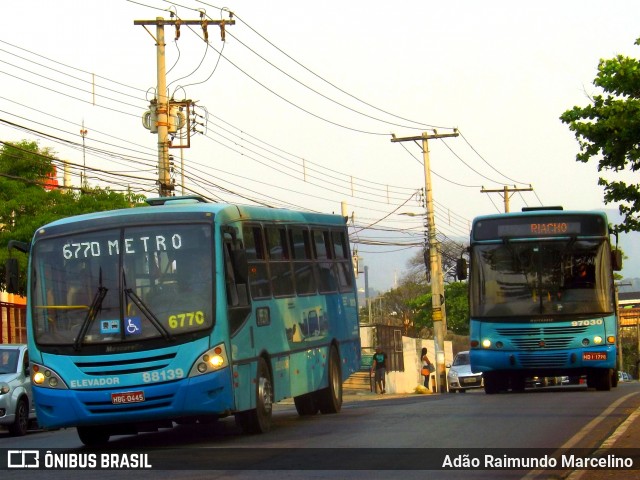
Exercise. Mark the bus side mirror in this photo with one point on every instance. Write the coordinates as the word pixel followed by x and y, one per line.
pixel 616 260
pixel 11 275
pixel 461 269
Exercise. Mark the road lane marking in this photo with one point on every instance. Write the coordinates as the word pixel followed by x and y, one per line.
pixel 585 431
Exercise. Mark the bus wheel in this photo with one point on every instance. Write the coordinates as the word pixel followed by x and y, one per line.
pixel 603 380
pixel 258 420
pixel 329 399
pixel 93 436
pixel 305 404
pixel 492 383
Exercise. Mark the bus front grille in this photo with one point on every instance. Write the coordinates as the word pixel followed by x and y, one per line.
pixel 536 343
pixel 542 361
pixel 540 331
pixel 536 338
pixel 110 367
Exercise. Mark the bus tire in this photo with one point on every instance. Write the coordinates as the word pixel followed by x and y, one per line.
pixel 258 420
pixel 329 399
pixel 603 380
pixel 492 383
pixel 305 404
pixel 93 436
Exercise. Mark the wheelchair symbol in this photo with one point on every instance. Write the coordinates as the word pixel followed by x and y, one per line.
pixel 131 327
pixel 134 326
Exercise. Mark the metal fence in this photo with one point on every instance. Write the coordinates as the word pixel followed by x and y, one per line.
pixel 389 337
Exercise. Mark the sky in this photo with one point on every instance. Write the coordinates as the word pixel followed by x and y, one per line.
pixel 298 105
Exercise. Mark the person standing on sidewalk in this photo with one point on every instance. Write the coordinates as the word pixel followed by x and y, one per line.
pixel 427 367
pixel 379 366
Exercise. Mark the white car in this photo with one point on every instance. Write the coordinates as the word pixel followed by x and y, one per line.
pixel 460 377
pixel 16 401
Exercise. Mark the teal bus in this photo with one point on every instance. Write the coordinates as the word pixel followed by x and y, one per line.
pixel 186 311
pixel 542 298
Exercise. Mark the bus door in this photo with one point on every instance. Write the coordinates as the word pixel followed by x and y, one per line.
pixel 238 306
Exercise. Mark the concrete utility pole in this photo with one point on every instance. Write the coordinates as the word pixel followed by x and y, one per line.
pixel 439 316
pixel 505 193
pixel 162 104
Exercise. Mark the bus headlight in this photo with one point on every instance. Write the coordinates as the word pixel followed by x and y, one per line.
pixel 210 361
pixel 597 339
pixel 45 377
pixel 486 343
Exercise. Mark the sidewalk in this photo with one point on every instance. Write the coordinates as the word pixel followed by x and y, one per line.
pixel 360 395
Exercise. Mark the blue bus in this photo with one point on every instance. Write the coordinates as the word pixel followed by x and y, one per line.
pixel 185 311
pixel 542 298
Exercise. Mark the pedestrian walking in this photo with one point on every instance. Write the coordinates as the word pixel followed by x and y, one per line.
pixel 379 368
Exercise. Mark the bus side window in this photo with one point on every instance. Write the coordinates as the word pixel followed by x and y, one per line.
pixel 303 265
pixel 279 263
pixel 343 263
pixel 322 248
pixel 259 283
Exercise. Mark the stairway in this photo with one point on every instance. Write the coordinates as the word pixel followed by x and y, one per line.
pixel 359 381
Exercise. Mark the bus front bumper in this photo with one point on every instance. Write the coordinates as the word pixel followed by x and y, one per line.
pixel 203 395
pixel 568 361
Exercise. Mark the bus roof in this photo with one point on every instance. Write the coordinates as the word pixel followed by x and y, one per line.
pixel 226 212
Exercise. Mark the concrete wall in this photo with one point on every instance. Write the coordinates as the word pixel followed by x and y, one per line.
pixel 406 382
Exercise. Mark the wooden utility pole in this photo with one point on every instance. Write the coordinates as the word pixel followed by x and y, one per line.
pixel 162 103
pixel 506 193
pixel 438 315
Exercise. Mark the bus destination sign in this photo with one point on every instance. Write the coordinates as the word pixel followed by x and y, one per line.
pixel 539 229
pixel 538 226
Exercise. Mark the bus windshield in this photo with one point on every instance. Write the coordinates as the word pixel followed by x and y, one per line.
pixel 122 285
pixel 534 278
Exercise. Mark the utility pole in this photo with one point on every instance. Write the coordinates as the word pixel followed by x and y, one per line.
pixel 162 102
pixel 505 193
pixel 438 315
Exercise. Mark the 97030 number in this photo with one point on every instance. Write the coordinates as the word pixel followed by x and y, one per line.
pixel 580 323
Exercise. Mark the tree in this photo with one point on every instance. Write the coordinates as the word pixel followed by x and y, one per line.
pixel 25 205
pixel 609 129
pixel 456 306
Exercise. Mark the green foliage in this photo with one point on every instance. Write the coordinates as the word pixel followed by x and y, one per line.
pixel 25 205
pixel 456 308
pixel 609 130
pixel 457 304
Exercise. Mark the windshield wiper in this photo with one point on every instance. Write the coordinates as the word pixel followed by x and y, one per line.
pixel 146 311
pixel 96 304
